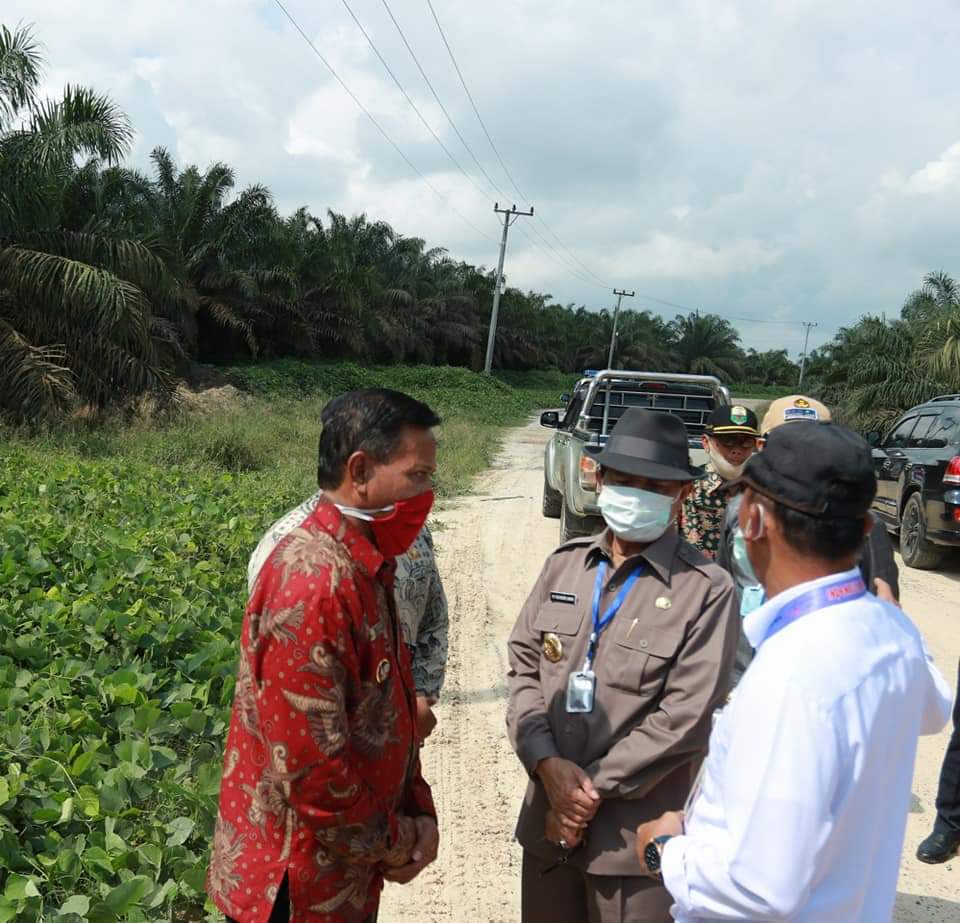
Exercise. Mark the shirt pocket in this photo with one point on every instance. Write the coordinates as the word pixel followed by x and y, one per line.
pixel 563 621
pixel 640 661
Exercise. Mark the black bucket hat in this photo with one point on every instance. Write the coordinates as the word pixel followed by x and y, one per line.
pixel 649 444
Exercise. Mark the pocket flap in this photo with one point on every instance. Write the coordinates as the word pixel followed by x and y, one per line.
pixel 653 641
pixel 559 618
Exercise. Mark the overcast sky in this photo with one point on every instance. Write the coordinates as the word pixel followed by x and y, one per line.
pixel 781 159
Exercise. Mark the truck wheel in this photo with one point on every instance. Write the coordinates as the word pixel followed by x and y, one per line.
pixel 552 500
pixel 574 526
pixel 917 551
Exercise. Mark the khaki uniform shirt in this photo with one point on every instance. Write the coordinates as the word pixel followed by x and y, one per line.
pixel 701 521
pixel 663 666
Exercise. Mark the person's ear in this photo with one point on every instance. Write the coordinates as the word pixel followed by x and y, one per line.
pixel 358 471
pixel 868 523
pixel 705 442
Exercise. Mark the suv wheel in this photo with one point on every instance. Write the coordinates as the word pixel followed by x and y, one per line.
pixel 552 500
pixel 916 549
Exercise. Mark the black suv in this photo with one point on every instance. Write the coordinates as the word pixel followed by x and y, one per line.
pixel 918 480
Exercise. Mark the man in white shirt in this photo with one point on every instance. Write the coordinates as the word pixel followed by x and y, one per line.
pixel 799 814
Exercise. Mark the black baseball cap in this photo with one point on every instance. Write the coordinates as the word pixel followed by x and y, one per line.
pixel 821 469
pixel 732 420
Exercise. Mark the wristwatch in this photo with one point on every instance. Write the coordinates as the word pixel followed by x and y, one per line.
pixel 653 853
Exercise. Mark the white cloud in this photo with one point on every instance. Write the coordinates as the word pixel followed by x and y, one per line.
pixel 794 160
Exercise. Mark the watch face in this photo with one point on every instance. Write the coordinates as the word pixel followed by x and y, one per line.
pixel 652 857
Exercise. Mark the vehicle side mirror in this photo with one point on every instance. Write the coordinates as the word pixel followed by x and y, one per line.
pixel 550 419
pixel 564 398
pixel 933 443
pixel 873 438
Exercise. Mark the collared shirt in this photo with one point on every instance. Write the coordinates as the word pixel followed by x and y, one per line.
pixel 322 751
pixel 420 599
pixel 662 666
pixel 806 789
pixel 702 516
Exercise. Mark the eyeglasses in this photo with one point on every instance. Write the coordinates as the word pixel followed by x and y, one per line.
pixel 736 442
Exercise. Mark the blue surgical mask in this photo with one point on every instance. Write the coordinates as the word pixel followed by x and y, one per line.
pixel 752 594
pixel 753 598
pixel 636 515
pixel 745 574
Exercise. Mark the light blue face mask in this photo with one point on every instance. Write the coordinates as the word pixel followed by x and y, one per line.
pixel 752 594
pixel 636 515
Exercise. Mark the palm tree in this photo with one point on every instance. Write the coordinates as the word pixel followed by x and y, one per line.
pixel 706 344
pixel 75 322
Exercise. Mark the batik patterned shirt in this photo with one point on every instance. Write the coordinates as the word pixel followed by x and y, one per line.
pixel 420 599
pixel 701 521
pixel 322 752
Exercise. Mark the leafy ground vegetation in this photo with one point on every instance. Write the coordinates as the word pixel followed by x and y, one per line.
pixel 123 552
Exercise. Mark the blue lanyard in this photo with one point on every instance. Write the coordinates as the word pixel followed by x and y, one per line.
pixel 599 624
pixel 822 597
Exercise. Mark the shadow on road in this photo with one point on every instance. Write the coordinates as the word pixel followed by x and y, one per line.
pixel 914 908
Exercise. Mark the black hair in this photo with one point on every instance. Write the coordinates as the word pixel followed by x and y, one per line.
pixel 826 539
pixel 371 421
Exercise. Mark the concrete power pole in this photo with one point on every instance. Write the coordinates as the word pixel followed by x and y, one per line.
pixel 616 318
pixel 510 215
pixel 803 358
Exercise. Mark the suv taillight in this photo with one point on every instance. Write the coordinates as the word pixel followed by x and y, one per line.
pixel 952 475
pixel 588 473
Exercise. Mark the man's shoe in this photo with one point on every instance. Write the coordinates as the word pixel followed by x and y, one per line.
pixel 939 847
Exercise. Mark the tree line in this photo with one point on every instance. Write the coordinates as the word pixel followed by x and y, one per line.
pixel 115 282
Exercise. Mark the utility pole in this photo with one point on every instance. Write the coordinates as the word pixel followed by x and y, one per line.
pixel 803 358
pixel 616 317
pixel 510 215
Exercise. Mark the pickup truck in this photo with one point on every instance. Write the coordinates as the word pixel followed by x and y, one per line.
pixel 598 401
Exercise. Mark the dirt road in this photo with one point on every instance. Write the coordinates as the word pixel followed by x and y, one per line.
pixel 491 548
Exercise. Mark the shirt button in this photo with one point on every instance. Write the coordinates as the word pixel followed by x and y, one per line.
pixel 643 645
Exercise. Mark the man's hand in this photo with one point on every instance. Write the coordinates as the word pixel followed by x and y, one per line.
pixel 426 719
pixel 400 854
pixel 569 790
pixel 556 830
pixel 670 824
pixel 424 852
pixel 884 591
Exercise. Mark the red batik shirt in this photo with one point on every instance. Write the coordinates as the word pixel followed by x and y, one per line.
pixel 322 753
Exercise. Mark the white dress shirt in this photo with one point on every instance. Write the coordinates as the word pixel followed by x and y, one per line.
pixel 805 792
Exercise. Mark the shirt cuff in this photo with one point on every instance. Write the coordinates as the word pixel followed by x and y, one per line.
pixel 540 748
pixel 673 871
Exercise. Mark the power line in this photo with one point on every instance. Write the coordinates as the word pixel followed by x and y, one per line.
pixel 476 111
pixel 410 101
pixel 376 124
pixel 439 102
pixel 429 127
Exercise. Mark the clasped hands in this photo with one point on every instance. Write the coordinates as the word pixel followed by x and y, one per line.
pixel 415 849
pixel 573 800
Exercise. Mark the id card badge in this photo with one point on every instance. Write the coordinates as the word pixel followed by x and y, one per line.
pixel 580 689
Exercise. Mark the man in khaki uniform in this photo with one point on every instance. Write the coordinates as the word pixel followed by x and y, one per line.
pixel 620 656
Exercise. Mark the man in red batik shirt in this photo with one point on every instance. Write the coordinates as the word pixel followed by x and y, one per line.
pixel 322 797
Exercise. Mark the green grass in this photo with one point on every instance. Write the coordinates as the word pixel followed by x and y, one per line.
pixel 123 551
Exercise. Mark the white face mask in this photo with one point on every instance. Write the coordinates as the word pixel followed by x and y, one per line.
pixel 366 515
pixel 636 515
pixel 726 470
